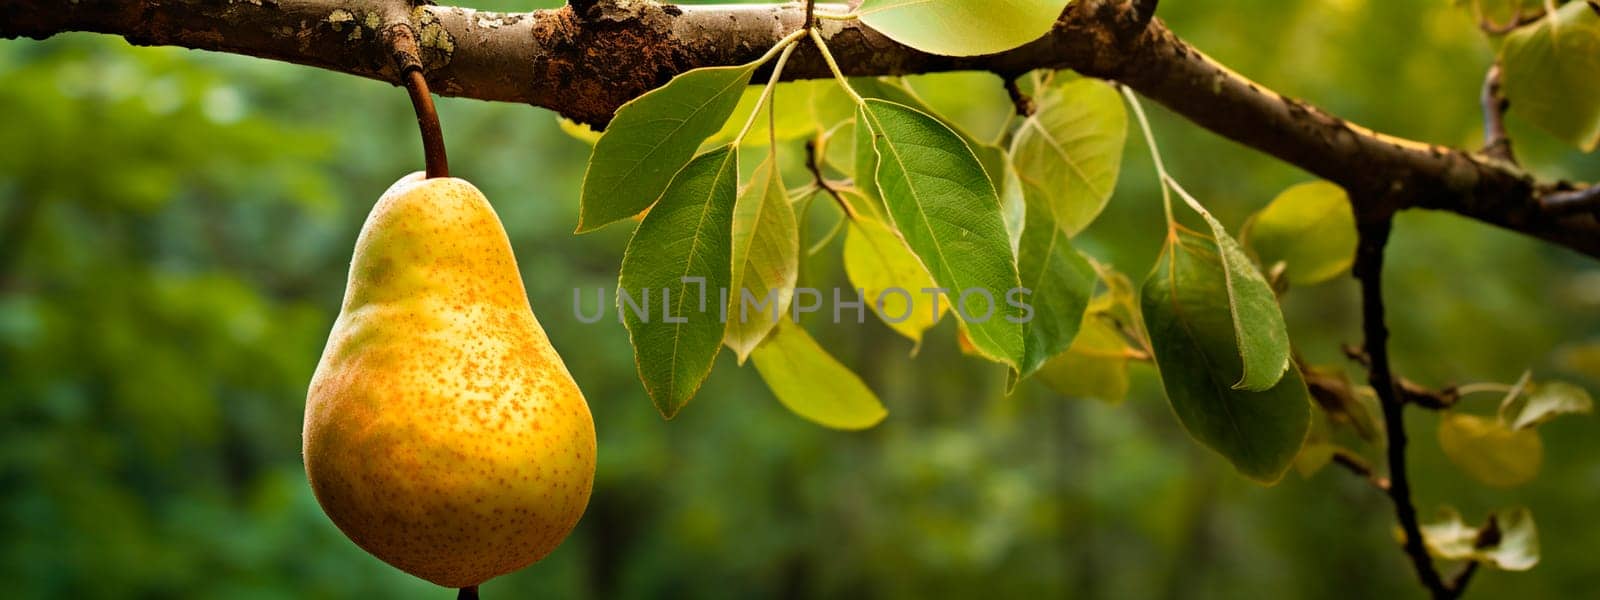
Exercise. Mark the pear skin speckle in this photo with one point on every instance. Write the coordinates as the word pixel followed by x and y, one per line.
pixel 443 433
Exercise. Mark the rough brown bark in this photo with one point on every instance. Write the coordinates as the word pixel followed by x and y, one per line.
pixel 585 63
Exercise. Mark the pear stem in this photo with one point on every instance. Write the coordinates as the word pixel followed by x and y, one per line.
pixel 468 593
pixel 438 165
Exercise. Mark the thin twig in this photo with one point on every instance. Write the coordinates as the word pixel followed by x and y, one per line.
pixel 1374 235
pixel 1410 391
pixel 1522 19
pixel 1495 141
pixel 1358 465
pixel 1020 101
pixel 814 164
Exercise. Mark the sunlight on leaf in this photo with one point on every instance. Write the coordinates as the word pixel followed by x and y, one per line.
pixel 1072 149
pixel 814 385
pixel 578 131
pixel 793 120
pixel 878 262
pixel 1094 366
pixel 1552 74
pixel 1489 451
pixel 962 27
pixel 1541 402
pixel 1308 227
pixel 766 254
pixel 1509 541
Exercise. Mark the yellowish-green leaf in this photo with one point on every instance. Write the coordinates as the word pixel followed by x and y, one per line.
pixel 812 383
pixel 1541 402
pixel 1489 451
pixel 891 278
pixel 1309 228
pixel 1342 403
pixel 651 138
pixel 793 119
pixel 1071 148
pixel 578 131
pixel 1094 366
pixel 766 255
pixel 1552 74
pixel 1319 448
pixel 1509 541
pixel 962 27
pixel 1013 207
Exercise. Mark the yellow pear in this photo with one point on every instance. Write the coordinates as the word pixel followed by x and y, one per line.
pixel 443 433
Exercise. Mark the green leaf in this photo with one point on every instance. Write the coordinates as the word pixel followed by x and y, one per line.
pixel 1258 325
pixel 940 199
pixel 1509 541
pixel 866 159
pixel 1489 451
pixel 962 27
pixel 1193 334
pixel 1552 74
pixel 1094 366
pixel 689 234
pixel 1544 401
pixel 1072 149
pixel 766 259
pixel 812 383
pixel 894 89
pixel 878 262
pixel 1309 228
pixel 651 138
pixel 1060 278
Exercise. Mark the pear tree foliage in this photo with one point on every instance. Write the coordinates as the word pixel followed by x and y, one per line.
pixel 924 205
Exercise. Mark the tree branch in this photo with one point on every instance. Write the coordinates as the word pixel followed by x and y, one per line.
pixel 585 67
pixel 1374 235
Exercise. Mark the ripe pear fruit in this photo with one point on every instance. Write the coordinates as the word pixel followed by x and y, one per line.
pixel 443 433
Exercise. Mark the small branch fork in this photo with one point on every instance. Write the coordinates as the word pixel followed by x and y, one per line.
pixel 1374 236
pixel 1496 143
pixel 814 165
pixel 1522 19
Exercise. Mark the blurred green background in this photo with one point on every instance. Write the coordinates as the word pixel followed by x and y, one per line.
pixel 175 227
